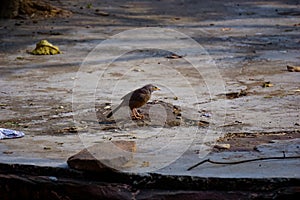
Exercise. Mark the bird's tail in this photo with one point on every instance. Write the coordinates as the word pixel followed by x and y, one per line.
pixel 113 111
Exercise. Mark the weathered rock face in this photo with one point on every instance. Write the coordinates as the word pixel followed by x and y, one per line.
pixel 32 182
pixel 37 187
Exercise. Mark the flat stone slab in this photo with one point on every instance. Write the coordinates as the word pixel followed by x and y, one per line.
pixel 266 162
pixel 281 147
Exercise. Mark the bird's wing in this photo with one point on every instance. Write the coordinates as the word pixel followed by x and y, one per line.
pixel 143 97
pixel 127 96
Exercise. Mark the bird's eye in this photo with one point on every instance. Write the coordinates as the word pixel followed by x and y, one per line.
pixel 155 88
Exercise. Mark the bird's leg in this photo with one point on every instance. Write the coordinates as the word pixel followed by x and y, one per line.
pixel 136 115
pixel 140 116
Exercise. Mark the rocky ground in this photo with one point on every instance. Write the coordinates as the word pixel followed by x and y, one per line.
pixel 234 90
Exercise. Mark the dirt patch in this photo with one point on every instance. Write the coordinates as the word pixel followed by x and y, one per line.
pixel 249 141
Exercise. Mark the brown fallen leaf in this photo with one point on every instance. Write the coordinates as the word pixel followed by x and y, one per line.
pixel 233 95
pixel 267 84
pixel 291 68
pixel 101 13
pixel 202 123
pixel 72 129
pixel 225 29
pixel 174 56
pixel 145 164
pixel 7 152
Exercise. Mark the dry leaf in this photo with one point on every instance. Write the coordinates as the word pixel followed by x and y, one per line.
pixel 174 56
pixel 145 164
pixel 225 29
pixel 291 68
pixel 267 84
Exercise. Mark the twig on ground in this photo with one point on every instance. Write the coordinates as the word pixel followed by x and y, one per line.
pixel 241 161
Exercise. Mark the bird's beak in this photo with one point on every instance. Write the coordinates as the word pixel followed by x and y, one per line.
pixel 156 88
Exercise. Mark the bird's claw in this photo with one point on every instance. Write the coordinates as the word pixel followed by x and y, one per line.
pixel 136 115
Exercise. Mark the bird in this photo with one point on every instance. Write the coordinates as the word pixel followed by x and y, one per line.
pixel 136 99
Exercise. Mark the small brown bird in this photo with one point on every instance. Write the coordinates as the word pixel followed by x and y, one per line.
pixel 136 99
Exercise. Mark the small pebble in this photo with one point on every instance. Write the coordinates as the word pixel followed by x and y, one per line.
pixel 222 146
pixel 107 107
